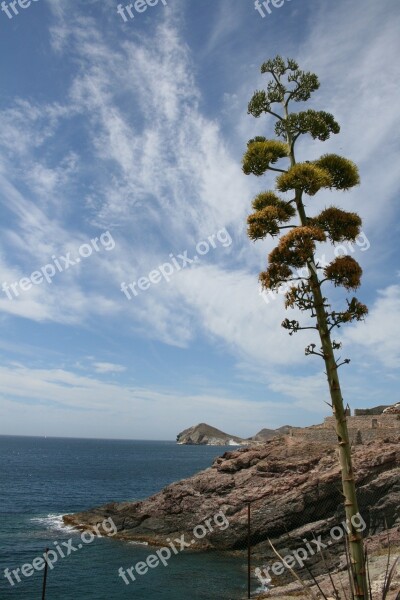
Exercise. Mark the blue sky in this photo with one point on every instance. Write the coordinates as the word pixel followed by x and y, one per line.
pixel 132 133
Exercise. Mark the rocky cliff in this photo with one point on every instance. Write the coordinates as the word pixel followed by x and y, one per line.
pixel 392 410
pixel 387 420
pixel 375 410
pixel 268 434
pixel 204 434
pixel 294 488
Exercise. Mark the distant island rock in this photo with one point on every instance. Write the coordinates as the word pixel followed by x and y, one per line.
pixel 268 434
pixel 205 435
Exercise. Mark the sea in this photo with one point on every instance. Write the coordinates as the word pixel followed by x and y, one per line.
pixel 42 479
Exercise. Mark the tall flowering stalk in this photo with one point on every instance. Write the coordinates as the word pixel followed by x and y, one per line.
pixel 292 262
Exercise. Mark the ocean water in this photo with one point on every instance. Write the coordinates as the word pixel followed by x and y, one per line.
pixel 43 478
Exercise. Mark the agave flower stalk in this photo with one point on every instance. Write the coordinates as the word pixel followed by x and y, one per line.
pixel 292 262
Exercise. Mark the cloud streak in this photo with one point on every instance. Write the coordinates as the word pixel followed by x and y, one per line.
pixel 142 145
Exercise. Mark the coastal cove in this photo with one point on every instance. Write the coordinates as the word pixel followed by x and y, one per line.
pixel 42 479
pixel 291 489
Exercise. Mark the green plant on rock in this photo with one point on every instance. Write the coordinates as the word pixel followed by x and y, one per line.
pixel 292 262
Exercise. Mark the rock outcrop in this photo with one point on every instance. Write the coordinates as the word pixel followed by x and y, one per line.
pixel 367 425
pixel 294 488
pixel 392 410
pixel 367 412
pixel 268 434
pixel 205 435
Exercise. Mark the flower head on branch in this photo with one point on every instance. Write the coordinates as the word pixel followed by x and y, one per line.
pixel 275 275
pixel 270 212
pixel 292 326
pixel 278 66
pixel 297 247
pixel 344 173
pixel 300 86
pixel 356 311
pixel 259 104
pixel 344 271
pixel 263 222
pixel 271 199
pixel 306 177
pixel 319 124
pixel 340 225
pixel 306 84
pixel 310 349
pixel 261 154
pixel 300 296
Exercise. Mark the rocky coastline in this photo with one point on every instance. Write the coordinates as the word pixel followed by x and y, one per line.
pixel 293 487
pixel 205 435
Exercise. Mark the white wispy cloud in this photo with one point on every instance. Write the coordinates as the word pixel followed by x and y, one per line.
pixel 163 175
pixel 379 336
pixel 104 367
pixel 126 409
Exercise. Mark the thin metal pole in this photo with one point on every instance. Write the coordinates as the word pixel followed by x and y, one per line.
pixel 248 551
pixel 45 576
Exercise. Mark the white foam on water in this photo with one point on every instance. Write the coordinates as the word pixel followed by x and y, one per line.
pixel 139 543
pixel 53 522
